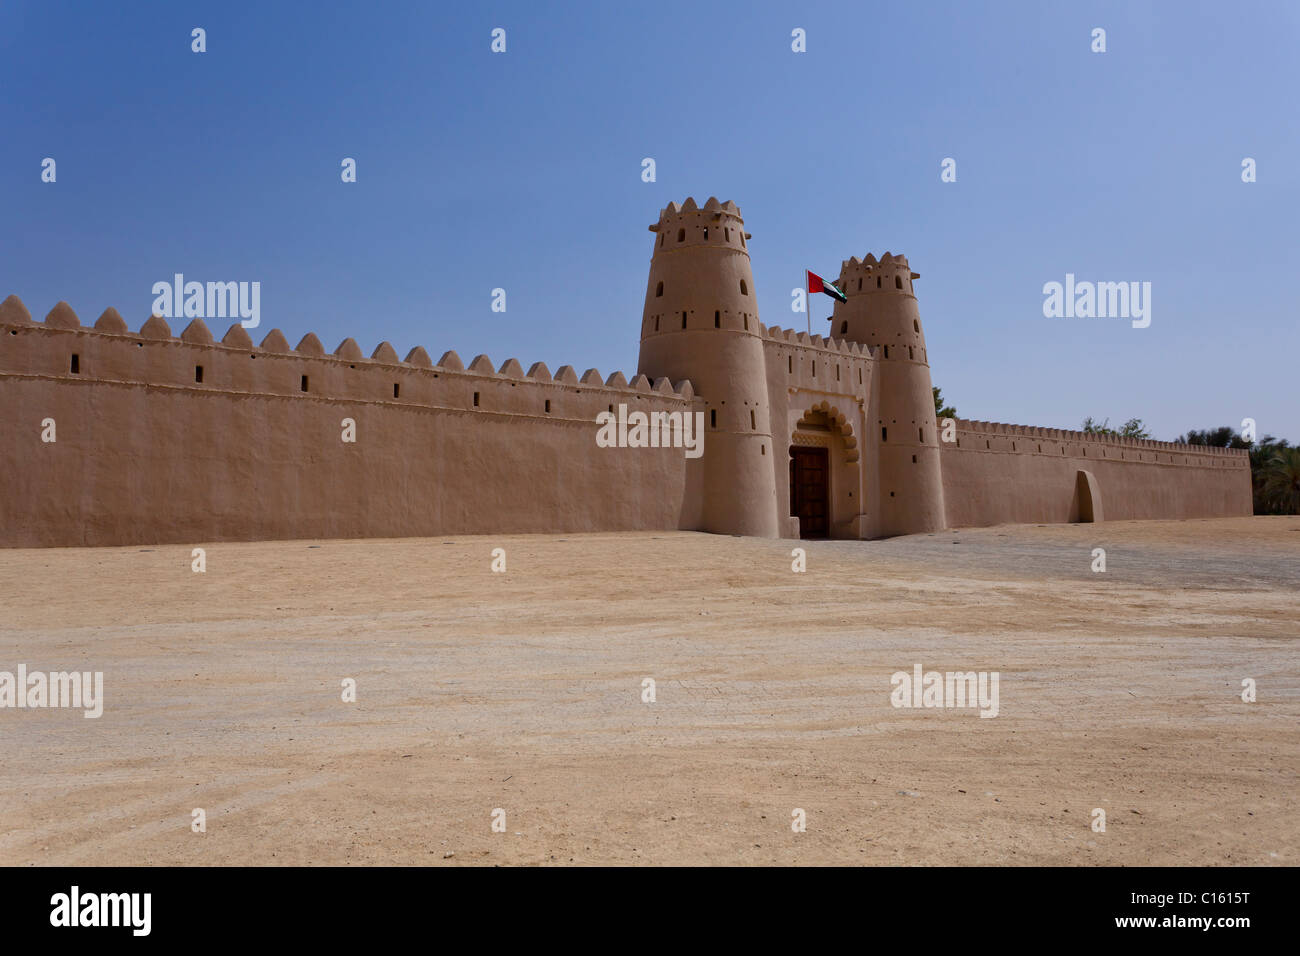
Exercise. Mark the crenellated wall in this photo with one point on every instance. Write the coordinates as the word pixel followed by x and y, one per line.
pixel 164 438
pixel 995 473
pixel 149 449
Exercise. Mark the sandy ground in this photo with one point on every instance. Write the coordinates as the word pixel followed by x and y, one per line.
pixel 522 691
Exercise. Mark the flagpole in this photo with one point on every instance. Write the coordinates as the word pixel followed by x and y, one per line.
pixel 807 303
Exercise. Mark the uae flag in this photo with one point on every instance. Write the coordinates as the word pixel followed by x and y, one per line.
pixel 817 284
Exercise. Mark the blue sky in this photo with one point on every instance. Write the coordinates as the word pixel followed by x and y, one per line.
pixel 522 171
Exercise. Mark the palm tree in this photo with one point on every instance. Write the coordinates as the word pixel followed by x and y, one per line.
pixel 1281 484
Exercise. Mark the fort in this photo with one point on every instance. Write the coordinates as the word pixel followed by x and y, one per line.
pixel 165 438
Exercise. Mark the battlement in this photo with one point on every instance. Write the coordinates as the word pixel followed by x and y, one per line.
pixel 833 347
pixel 711 209
pixel 889 273
pixel 797 361
pixel 995 430
pixel 714 224
pixel 317 374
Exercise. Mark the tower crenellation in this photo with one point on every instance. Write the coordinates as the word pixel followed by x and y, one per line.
pixel 685 225
pixel 889 273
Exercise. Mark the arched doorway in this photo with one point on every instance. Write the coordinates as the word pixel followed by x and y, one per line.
pixel 823 473
pixel 1087 497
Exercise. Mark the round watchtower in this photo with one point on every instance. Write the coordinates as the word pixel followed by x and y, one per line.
pixel 881 312
pixel 701 323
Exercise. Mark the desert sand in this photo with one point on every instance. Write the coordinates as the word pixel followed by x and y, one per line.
pixel 523 691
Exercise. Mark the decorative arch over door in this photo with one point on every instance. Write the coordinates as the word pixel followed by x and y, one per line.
pixel 826 415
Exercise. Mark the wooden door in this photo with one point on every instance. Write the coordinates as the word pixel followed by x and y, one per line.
pixel 810 490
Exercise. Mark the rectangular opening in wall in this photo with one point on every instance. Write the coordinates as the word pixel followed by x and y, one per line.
pixel 884 433
pixel 859 376
pixel 76 364
pixel 920 435
pixel 198 373
pixel 751 420
pixel 548 406
pixel 713 418
pixel 476 399
pixel 886 351
pixel 304 383
pixel 837 373
pixel 397 390
pixel 746 322
pixel 789 365
pixel 683 320
pixel 717 320
pixel 656 323
pixel 914 459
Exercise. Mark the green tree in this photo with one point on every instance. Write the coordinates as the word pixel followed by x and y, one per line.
pixel 1222 437
pixel 1280 484
pixel 1273 464
pixel 940 409
pixel 1266 485
pixel 1133 428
